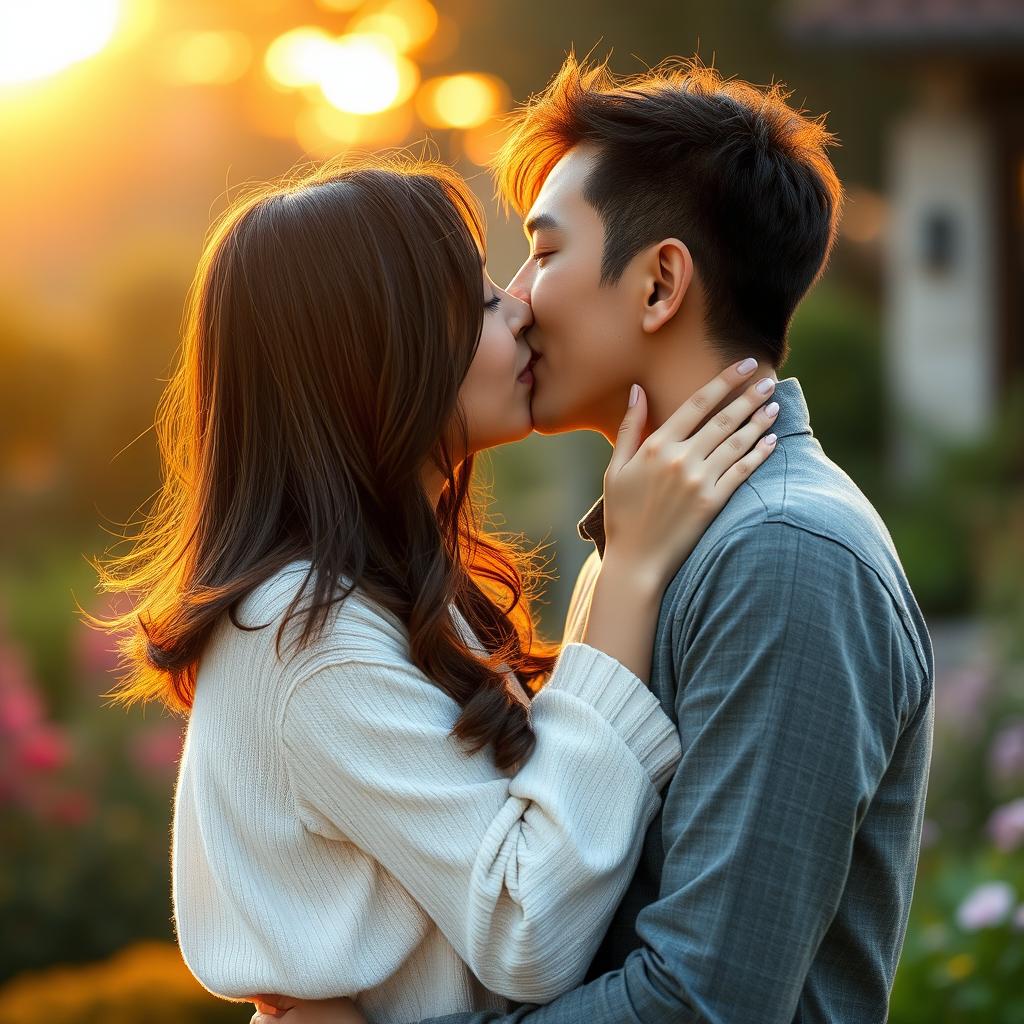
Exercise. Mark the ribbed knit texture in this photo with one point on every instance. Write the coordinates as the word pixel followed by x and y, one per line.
pixel 332 838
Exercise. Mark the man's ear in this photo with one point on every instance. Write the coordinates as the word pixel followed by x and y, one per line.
pixel 669 275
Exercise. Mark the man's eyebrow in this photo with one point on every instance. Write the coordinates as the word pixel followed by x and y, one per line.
pixel 540 222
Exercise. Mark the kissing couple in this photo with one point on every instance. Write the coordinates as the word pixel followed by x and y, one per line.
pixel 396 803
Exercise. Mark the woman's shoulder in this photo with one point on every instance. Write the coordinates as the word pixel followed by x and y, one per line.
pixel 357 628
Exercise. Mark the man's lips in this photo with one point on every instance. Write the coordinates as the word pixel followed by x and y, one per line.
pixel 527 370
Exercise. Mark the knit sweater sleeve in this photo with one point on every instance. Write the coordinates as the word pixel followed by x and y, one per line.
pixel 522 874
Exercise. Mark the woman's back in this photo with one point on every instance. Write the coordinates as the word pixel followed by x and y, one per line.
pixel 262 902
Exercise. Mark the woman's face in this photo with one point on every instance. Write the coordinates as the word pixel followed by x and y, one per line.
pixel 495 393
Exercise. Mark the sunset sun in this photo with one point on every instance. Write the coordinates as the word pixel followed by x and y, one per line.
pixel 42 38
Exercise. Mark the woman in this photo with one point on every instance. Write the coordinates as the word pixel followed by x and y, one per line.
pixel 369 802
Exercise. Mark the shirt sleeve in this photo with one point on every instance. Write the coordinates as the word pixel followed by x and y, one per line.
pixel 522 873
pixel 579 603
pixel 786 661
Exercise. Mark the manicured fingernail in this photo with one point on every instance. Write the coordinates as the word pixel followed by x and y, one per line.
pixel 772 410
pixel 747 367
pixel 769 441
pixel 634 395
pixel 765 387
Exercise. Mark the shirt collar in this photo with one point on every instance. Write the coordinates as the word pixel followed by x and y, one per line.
pixel 793 419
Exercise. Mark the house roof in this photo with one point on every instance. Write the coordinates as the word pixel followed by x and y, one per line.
pixel 909 24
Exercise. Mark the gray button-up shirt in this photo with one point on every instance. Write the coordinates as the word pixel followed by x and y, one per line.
pixel 775 885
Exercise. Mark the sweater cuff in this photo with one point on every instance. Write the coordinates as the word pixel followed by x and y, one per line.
pixel 625 702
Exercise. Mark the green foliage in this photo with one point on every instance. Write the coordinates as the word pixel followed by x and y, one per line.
pixel 950 974
pixel 85 790
pixel 960 967
pixel 836 354
pixel 942 522
pixel 945 526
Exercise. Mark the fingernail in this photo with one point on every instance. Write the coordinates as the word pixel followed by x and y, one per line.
pixel 765 387
pixel 634 395
pixel 747 367
pixel 772 410
pixel 770 440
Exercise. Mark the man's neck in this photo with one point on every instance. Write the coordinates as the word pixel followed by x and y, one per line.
pixel 668 386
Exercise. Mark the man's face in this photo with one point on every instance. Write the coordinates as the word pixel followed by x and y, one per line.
pixel 587 334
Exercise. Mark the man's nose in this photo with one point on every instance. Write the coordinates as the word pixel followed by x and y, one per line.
pixel 522 284
pixel 522 313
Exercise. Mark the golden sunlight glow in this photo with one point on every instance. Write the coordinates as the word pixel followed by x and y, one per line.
pixel 41 37
pixel 299 57
pixel 340 5
pixel 481 144
pixel 325 131
pixel 207 58
pixel 408 80
pixel 460 101
pixel 407 23
pixel 364 75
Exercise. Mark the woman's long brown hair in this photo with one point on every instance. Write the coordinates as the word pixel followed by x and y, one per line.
pixel 329 327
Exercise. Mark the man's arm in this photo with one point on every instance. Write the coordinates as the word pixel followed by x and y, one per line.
pixel 787 706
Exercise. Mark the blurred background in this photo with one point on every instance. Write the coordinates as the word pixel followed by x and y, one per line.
pixel 127 125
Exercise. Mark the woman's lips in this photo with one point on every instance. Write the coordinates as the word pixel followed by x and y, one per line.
pixel 526 377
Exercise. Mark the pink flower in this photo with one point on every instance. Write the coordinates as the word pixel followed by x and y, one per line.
pixel 44 749
pixel 20 708
pixel 1006 826
pixel 1006 757
pixel 986 906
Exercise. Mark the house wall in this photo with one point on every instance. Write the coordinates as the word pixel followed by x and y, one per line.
pixel 941 300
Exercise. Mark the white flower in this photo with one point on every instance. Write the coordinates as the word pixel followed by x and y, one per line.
pixel 1006 826
pixel 986 906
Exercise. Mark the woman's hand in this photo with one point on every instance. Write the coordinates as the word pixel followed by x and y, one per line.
pixel 662 494
pixel 270 1008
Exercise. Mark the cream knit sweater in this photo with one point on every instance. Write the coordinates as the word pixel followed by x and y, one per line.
pixel 332 838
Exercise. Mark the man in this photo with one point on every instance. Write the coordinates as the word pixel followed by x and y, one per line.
pixel 675 222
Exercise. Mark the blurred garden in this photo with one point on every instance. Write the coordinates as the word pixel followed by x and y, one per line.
pixel 128 124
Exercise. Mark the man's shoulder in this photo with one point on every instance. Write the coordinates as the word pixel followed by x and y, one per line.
pixel 796 505
pixel 803 497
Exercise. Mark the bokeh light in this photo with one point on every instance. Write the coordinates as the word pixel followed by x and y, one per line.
pixel 365 76
pixel 408 24
pixel 299 57
pixel 214 57
pixel 324 131
pixel 460 101
pixel 39 38
pixel 480 145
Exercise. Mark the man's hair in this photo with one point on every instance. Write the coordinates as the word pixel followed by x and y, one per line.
pixel 730 169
